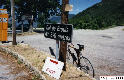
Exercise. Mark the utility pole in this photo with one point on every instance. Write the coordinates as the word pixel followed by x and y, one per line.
pixel 13 22
pixel 63 45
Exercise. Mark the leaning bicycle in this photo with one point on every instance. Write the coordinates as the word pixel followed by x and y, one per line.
pixel 81 62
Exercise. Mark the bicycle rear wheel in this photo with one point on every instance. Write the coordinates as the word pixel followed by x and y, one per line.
pixel 86 66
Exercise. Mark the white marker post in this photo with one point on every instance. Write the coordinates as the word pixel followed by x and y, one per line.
pixel 57 49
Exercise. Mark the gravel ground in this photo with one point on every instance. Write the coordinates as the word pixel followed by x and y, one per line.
pixel 104 48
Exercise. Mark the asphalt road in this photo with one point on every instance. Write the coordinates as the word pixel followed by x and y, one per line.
pixel 104 48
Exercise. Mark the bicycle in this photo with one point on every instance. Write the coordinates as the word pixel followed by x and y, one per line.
pixel 81 62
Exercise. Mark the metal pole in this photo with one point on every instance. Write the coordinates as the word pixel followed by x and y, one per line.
pixel 63 45
pixel 13 21
pixel 57 49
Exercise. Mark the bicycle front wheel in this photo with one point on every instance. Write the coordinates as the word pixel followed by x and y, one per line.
pixel 86 66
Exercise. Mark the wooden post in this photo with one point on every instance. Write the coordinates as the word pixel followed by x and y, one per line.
pixel 31 24
pixel 63 45
pixel 13 22
pixel 22 26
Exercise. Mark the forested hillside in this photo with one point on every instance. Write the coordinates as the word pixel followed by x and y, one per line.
pixel 102 15
pixel 57 19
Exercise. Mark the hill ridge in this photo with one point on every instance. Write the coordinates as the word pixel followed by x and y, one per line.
pixel 101 15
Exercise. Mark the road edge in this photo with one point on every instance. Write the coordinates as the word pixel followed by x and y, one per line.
pixel 25 62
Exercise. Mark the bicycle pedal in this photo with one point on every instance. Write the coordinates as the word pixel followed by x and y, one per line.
pixel 87 68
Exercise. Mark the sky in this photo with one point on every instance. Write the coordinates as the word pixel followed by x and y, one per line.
pixel 80 5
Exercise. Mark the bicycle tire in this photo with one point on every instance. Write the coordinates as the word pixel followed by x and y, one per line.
pixel 86 66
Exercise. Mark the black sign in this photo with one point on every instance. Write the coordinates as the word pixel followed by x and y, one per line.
pixel 59 32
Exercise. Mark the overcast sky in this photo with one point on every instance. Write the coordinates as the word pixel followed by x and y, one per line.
pixel 80 5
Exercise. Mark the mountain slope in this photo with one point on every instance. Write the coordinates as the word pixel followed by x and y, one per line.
pixel 101 15
pixel 57 19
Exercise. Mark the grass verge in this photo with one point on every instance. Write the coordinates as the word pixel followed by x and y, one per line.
pixel 36 58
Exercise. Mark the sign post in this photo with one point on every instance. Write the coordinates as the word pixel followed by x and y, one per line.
pixel 67 8
pixel 63 45
pixel 60 32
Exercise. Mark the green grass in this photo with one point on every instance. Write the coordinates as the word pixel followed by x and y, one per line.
pixel 36 77
pixel 19 62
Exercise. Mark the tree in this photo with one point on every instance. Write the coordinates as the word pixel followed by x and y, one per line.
pixel 13 21
pixel 44 8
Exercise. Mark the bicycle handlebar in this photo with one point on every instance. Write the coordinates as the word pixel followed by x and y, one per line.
pixel 80 46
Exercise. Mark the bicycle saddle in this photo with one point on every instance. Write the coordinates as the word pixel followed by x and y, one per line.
pixel 80 46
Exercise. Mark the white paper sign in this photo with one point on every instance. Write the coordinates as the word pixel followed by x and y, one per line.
pixel 68 7
pixel 53 67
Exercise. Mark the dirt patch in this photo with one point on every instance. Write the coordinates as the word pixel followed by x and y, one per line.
pixel 36 58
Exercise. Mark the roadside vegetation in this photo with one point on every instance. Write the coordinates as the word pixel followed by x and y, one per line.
pixel 72 73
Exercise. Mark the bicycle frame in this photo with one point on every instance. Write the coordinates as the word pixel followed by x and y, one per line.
pixel 78 51
pixel 79 58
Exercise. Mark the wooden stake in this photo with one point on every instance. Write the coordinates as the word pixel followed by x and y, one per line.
pixel 63 45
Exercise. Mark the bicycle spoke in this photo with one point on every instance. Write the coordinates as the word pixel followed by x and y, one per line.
pixel 86 66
